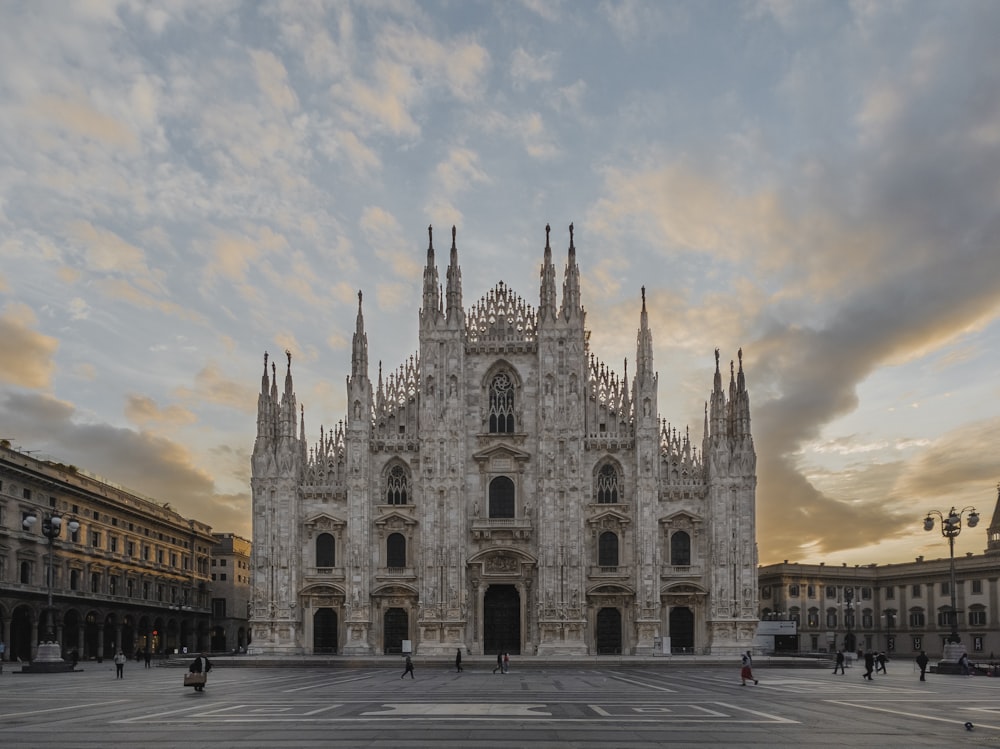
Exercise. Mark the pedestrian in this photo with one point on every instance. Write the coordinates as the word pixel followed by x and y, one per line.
pixel 75 658
pixel 506 662
pixel 746 672
pixel 3 650
pixel 869 665
pixel 200 665
pixel 499 666
pixel 147 657
pixel 409 668
pixel 881 660
pixel 120 664
pixel 458 660
pixel 840 662
pixel 963 664
pixel 922 663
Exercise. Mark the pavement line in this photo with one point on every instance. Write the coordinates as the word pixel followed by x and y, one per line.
pixel 769 716
pixel 315 685
pixel 459 709
pixel 57 709
pixel 642 684
pixel 910 715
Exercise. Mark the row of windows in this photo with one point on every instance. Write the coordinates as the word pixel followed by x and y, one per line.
pixel 831 591
pixel 607 550
pixel 606 490
pixel 95 583
pixel 915 618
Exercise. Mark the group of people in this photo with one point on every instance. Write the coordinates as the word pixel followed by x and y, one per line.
pixel 503 663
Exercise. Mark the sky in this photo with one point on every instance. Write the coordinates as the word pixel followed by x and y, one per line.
pixel 186 185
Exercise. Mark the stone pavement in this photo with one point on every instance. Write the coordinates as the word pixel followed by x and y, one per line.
pixel 592 704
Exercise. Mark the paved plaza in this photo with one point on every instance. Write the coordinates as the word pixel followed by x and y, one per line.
pixel 536 705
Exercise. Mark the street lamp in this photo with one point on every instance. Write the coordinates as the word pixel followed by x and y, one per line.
pixel 889 615
pixel 848 617
pixel 951 526
pixel 51 526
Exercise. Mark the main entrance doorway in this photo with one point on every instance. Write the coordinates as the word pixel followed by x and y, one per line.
pixel 325 631
pixel 502 620
pixel 395 629
pixel 681 630
pixel 609 632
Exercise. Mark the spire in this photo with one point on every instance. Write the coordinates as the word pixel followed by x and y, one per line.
pixel 263 380
pixel 547 295
pixel 454 279
pixel 431 309
pixel 644 346
pixel 993 532
pixel 288 373
pixel 264 407
pixel 359 346
pixel 571 283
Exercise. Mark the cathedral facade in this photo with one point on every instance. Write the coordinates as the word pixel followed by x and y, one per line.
pixel 503 491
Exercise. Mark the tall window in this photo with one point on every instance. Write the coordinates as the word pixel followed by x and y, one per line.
pixel 397 486
pixel 25 573
pixel 501 404
pixel 607 485
pixel 680 549
pixel 607 549
pixel 501 497
pixel 917 618
pixel 395 550
pixel 326 547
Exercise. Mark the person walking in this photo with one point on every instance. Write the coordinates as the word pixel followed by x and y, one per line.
pixel 963 664
pixel 200 665
pixel 147 657
pixel 120 664
pixel 922 660
pixel 506 663
pixel 880 661
pixel 408 669
pixel 499 666
pixel 746 671
pixel 869 665
pixel 458 660
pixel 839 663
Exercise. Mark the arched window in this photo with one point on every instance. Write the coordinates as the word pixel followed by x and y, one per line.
pixel 607 549
pixel 397 486
pixel 25 573
pixel 501 497
pixel 680 549
pixel 607 485
pixel 326 550
pixel 395 550
pixel 501 404
pixel 74 579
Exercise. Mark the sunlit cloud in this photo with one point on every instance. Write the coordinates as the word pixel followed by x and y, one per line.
pixel 29 359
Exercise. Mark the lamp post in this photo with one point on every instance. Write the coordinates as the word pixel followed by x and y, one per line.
pixel 951 526
pixel 49 650
pixel 889 643
pixel 848 618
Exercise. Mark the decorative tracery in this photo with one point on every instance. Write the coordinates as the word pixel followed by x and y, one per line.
pixel 501 404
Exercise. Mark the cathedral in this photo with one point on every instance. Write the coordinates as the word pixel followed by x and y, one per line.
pixel 504 490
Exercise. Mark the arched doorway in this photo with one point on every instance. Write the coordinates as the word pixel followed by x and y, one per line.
pixel 609 632
pixel 395 629
pixel 502 620
pixel 90 636
pixel 71 631
pixel 20 635
pixel 324 631
pixel 681 630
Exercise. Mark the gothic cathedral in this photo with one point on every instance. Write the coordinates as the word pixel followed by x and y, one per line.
pixel 503 491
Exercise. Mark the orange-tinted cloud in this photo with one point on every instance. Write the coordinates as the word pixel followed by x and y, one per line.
pixel 28 359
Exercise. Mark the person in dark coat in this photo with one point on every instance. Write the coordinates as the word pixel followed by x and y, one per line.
pixel 922 660
pixel 458 660
pixel 408 669
pixel 840 662
pixel 869 664
pixel 201 664
pixel 499 666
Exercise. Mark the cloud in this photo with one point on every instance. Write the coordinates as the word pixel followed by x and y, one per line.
pixel 273 80
pixel 384 235
pixel 29 358
pixel 212 386
pixel 144 412
pixel 526 69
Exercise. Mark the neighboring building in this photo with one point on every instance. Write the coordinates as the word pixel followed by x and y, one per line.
pixel 899 608
pixel 133 575
pixel 230 593
pixel 503 490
